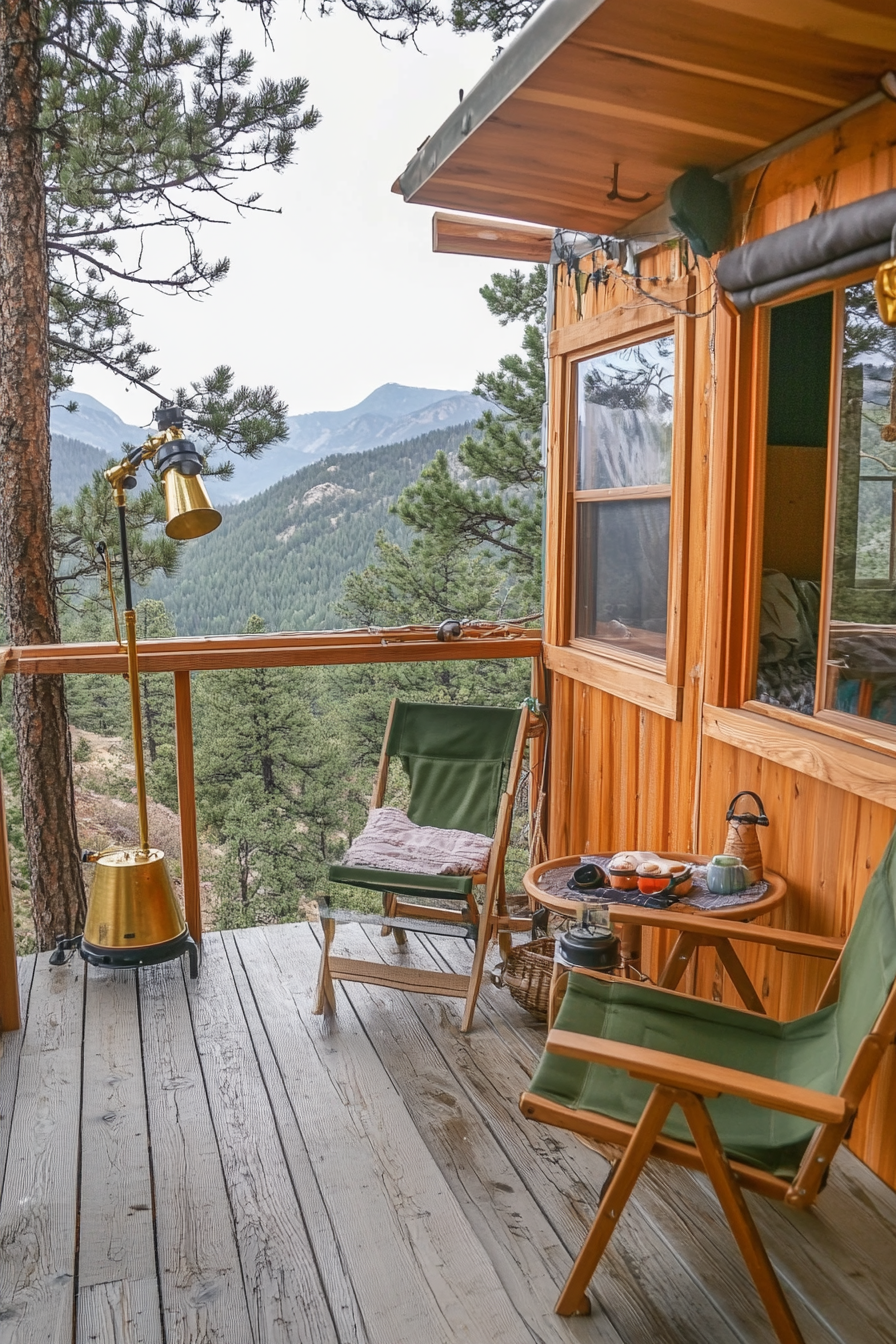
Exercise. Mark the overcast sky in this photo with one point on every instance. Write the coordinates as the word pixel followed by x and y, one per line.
pixel 341 292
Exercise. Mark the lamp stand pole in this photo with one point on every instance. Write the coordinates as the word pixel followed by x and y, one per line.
pixel 130 622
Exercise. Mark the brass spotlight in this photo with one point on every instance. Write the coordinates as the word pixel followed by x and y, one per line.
pixel 189 509
pixel 885 292
pixel 133 917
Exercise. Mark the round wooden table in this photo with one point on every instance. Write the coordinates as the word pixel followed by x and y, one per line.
pixel 687 942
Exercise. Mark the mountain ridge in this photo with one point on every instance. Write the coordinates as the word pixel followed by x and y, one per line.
pixel 392 413
pixel 284 553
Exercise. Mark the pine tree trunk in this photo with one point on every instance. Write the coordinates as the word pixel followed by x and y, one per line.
pixel 26 567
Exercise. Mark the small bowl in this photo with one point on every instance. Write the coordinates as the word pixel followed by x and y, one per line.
pixel 682 888
pixel 650 885
pixel 623 879
pixel 651 878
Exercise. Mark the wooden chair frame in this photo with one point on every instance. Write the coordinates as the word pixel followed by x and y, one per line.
pixel 492 921
pixel 688 1083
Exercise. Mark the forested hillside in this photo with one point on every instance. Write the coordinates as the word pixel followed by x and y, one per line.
pixel 72 464
pixel 284 555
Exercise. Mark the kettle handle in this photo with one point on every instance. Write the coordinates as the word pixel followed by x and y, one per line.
pixel 761 820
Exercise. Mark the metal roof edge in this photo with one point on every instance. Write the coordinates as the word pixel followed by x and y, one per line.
pixel 548 28
pixel 782 147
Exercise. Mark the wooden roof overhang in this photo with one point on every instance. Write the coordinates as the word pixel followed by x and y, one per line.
pixel 655 88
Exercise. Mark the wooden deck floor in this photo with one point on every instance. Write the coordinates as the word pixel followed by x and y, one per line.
pixel 189 1164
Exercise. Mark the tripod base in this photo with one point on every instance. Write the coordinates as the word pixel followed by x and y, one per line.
pixel 127 957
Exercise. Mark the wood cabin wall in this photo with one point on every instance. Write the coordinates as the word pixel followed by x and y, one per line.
pixel 625 776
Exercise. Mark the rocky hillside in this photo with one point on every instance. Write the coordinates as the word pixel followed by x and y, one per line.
pixel 284 554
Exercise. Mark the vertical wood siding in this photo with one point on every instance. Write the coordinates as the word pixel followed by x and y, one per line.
pixel 623 776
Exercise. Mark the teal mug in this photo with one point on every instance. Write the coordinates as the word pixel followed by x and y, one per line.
pixel 726 875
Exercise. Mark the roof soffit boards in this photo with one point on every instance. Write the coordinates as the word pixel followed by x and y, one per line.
pixel 653 87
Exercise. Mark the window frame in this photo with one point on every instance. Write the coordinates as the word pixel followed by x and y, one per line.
pixel 747 519
pixel 653 683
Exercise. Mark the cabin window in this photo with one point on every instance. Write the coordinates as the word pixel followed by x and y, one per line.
pixel 623 490
pixel 860 670
pixel 796 464
pixel 827 622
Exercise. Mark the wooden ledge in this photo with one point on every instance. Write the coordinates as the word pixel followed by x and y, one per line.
pixel 641 686
pixel 859 770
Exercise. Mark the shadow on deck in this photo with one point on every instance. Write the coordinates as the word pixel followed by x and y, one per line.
pixel 207 1163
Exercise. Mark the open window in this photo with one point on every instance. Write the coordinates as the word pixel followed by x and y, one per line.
pixel 827 620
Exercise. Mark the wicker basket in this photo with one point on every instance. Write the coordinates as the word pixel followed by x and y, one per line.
pixel 527 974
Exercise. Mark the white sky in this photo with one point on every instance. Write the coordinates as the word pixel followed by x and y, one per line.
pixel 341 292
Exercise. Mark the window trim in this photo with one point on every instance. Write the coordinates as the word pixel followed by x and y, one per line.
pixel 655 683
pixel 731 683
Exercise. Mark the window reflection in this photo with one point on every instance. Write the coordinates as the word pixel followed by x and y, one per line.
pixel 623 567
pixel 623 490
pixel 861 665
pixel 625 417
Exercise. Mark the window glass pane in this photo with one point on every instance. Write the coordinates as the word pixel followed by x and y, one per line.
pixel 625 417
pixel 861 665
pixel 622 573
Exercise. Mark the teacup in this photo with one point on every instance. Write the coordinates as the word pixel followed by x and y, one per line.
pixel 726 875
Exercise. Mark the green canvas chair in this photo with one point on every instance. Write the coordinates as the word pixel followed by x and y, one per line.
pixel 757 1104
pixel 463 763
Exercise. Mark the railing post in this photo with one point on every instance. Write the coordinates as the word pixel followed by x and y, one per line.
pixel 10 1016
pixel 186 803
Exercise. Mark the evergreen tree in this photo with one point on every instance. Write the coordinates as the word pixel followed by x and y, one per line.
pixel 119 121
pixel 273 788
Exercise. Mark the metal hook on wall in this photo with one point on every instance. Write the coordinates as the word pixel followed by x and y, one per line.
pixel 616 195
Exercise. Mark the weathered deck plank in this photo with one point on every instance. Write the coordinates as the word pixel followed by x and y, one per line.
pixel 120 1313
pixel 370 1184
pixel 38 1210
pixel 116 1245
pixel 331 1265
pixel 417 1268
pixel 116 1241
pixel 852 1227
pixel 201 1284
pixel 512 1226
pixel 678 1205
pixel 286 1298
pixel 10 1053
pixel 646 1286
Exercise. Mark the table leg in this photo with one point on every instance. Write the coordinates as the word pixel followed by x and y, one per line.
pixel 677 962
pixel 739 978
pixel 630 949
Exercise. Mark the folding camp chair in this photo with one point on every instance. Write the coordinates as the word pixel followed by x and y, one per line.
pixel 463 763
pixel 757 1104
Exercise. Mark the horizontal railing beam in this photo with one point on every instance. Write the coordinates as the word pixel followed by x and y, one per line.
pixel 308 649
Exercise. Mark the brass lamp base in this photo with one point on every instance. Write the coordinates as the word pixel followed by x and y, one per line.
pixel 133 918
pixel 132 903
pixel 143 956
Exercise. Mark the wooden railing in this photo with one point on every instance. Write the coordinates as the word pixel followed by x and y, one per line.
pixel 326 648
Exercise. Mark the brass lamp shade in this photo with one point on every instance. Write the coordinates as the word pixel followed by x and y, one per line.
pixel 132 904
pixel 885 292
pixel 189 509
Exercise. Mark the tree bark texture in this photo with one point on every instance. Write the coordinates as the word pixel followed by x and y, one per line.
pixel 26 564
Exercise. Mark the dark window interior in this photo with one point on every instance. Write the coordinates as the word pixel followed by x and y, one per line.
pixel 799 377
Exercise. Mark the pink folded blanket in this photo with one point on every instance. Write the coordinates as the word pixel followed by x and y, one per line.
pixel 391 841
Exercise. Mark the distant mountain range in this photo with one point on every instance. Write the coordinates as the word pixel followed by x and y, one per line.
pixel 284 554
pixel 390 414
